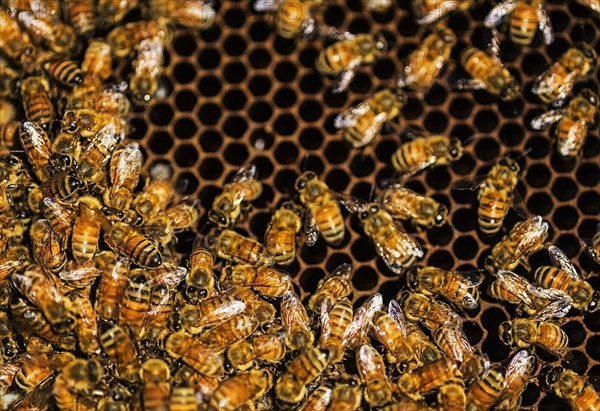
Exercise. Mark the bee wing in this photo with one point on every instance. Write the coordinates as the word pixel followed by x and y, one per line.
pixel 519 205
pixel 395 312
pixel 8 371
pixel 545 25
pixel 311 229
pixel 171 278
pixel 543 83
pixel 556 309
pixel 349 118
pixel 266 5
pixel 290 306
pixel 247 172
pixel 516 284
pixel 560 260
pixel 343 270
pixel 325 319
pixel 373 130
pixel 79 273
pixel 565 89
pixel 392 256
pixel 471 278
pixel 497 14
pixel 549 294
pixel 521 365
pixel 469 183
pixel 588 246
pixel 466 84
pixel 458 343
pixel 32 23
pixel 360 326
pixel 38 398
pixel 545 120
pixel 129 163
pixel 443 9
pixel 351 203
pixel 347 76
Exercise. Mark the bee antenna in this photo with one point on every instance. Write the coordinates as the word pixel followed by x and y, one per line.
pixel 469 139
pixel 371 193
pixel 523 154
pixel 304 163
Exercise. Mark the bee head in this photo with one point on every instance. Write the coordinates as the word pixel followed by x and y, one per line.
pixel 549 376
pixel 588 51
pixel 411 278
pixel 594 302
pixel 217 218
pixel 455 150
pixel 505 333
pixel 381 44
pixel 304 179
pixel 440 217
pixel 511 164
pixel 510 90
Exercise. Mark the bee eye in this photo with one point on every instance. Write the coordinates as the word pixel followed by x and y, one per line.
pixel 363 215
pixel 374 209
pixel 439 218
pixel 301 184
pixel 454 152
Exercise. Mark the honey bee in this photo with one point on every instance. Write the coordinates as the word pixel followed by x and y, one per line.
pixel 16 44
pixel 378 6
pixel 210 312
pixel 424 65
pixel 344 57
pixel 488 73
pixel 594 5
pixel 555 84
pixel 240 389
pixel 518 372
pixel 537 330
pixel 451 396
pixel 59 216
pixel 430 312
pixel 123 239
pixel 8 111
pixel 135 302
pixel 36 101
pixel 513 288
pixel 73 386
pixel 564 277
pixel 526 16
pixel 228 206
pixel 200 279
pixel 302 370
pixel 193 14
pixel 453 341
pixel 358 330
pixel 362 123
pixel 66 72
pixel 335 286
pixel 111 12
pixel 592 245
pixel 230 331
pixel 154 198
pixel 267 281
pixel 81 15
pixel 202 359
pixel 484 392
pixel 281 233
pixel 346 395
pixel 57 36
pixel 120 349
pixel 147 67
pixel 86 326
pixel 46 248
pixel 37 147
pixel 458 287
pixel 97 61
pixel 124 173
pixel 568 385
pixel 269 348
pixel 525 238
pixel 9 133
pixel 232 246
pixel 86 230
pixel 36 368
pixel 371 369
pixel 324 214
pixel 293 18
pixel 427 378
pixel 155 375
pixel 430 11
pixel 573 122
pixel 298 333
pixel 335 319
pixel 9 348
pixel 318 400
pixel 111 287
pixel 98 152
pixel 259 308
pixel 422 152
pixel 183 398
pixel 179 217
pixel 125 38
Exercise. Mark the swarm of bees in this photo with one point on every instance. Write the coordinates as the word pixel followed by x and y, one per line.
pixel 98 311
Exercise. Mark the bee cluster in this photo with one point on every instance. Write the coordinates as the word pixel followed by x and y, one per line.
pixel 118 293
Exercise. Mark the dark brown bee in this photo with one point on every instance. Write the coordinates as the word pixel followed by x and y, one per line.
pixel 126 240
pixel 38 106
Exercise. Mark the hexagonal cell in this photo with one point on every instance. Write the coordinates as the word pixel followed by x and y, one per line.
pixel 161 114
pixel 259 58
pixel 259 85
pixel 209 85
pixel 211 168
pixel 185 127
pixel 235 72
pixel 184 45
pixel 285 97
pixel 234 100
pixel 186 155
pixel 209 58
pixel 185 100
pixel 184 72
pixel 260 111
pixel 234 18
pixel 160 142
pixel 209 114
pixel 210 141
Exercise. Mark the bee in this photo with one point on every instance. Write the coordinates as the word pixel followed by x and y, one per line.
pixel 193 14
pixel 564 277
pixel 9 133
pixel 298 333
pixel 154 198
pixel 8 111
pixel 123 239
pixel 453 341
pixel 79 276
pixel 201 358
pixel 357 331
pixel 229 331
pixel 518 373
pixel 267 281
pixel 125 167
pixel 16 44
pixel 344 57
pixel 179 217
pixel 497 193
pixel 46 248
pixel 228 206
pixel 457 287
pixel 281 233
pixel 513 288
pixel 526 16
pixel 488 73
pixel 135 302
pixel 346 395
pixel 86 326
pixel 60 217
pixel 111 12
pixel 568 385
pixel 97 61
pixel 594 5
pixel 335 319
pixel 57 36
pixel 484 392
pixel 525 238
pixel 155 375
pixel 269 348
pixel 210 312
pixel 183 398
pixel 573 122
pixel 451 396
pixel 9 348
pixel 335 286
pixel 111 287
pixel 378 6
pixel 240 389
pixel 98 152
pixel 36 101
pixel 36 368
pixel 371 369
pixel 293 18
pixel 66 72
pixel 73 386
pixel 430 312
pixel 86 230
pixel 430 11
pixel 555 84
pixel 302 370
pixel 81 15
pixel 200 279
pixel 37 147
pixel 407 404
pixel 121 350
pixel 427 378
pixel 147 67
pixel 259 308
pixel 425 64
pixel 592 246
pixel 319 400
pixel 124 39
pixel 537 330
pixel 362 123
pixel 231 246
pixel 422 152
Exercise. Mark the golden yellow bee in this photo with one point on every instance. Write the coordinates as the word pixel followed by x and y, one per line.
pixel 335 286
pixel 111 12
pixel 60 216
pixel 193 14
pixel 86 325
pixel 424 65
pixel 8 110
pixel 47 248
pixel 16 45
pixel 37 147
pixel 183 398
pixel 147 67
pixel 81 15
pixel 422 152
pixel 155 375
pixel 73 386
pixel 371 369
pixel 335 319
pixel 362 123
pixel 154 198
pixel 240 389
pixel 125 165
pixel 195 354
pixel 430 11
pixel 488 73
pixel 57 36
pixel 282 232
pixel 268 348
pixel 98 152
pixel 358 330
pixel 124 39
pixel 200 279
pixel 484 392
pixel 229 331
pixel 564 277
pixel 458 287
pixel 454 343
pixel 344 57
pixel 9 348
pixel 259 308
pixel 179 217
pixel 210 312
pixel 573 122
pixel 346 394
pixel 121 350
pixel 570 386
pixel 451 396
pixel 135 302
pixel 293 18
pixel 318 400
pixel 37 367
pixel 9 133
pixel 111 287
pixel 235 247
pixel 555 84
pixel 427 378
pixel 267 281
pixel 592 245
pixel 86 230
pixel 430 312
pixel 123 239
pixel 66 72
pixel 517 375
pixel 525 238
pixel 302 370
pixel 526 16
pixel 298 333
pixel 97 61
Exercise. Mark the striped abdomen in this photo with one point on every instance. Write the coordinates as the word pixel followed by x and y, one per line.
pixel 570 136
pixel 336 58
pixel 493 207
pixel 330 221
pixel 135 303
pixel 355 134
pixel 290 18
pixel 524 23
pixel 478 64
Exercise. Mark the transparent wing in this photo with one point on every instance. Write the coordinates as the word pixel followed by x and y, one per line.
pixel 80 273
pixel 559 259
pixel 349 117
pixel 32 23
pixel 550 295
pixel 129 164
pixel 311 229
pixel 545 25
pixel 393 256
pixel 519 205
pixel 470 278
pixel 325 320
pixel 545 120
pixel 395 312
pixel 266 5
pixel 517 285
pixel 247 172
pixel 543 83
pixel 520 367
pixel 351 203
pixel 347 76
pixel 497 14
pixel 466 84
pixel 443 9
pixel 169 277
pixel 373 130
pixel 555 309
pixel 343 270
pixel 458 344
pixel 469 183
pixel 565 89
pixel 590 249
pixel 360 326
pixel 292 310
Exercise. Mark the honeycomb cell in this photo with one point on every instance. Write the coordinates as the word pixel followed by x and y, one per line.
pixel 211 168
pixel 286 153
pixel 234 100
pixel 365 278
pixel 184 45
pixel 461 108
pixel 487 149
pixel 185 100
pixel 209 114
pixel 311 138
pixel 465 219
pixel 575 331
pixel 538 175
pixel 284 182
pixel 588 174
pixel 260 112
pixel 565 217
pixel 259 31
pixel 440 236
pixel 361 84
pixel 285 71
pixel 564 189
pixel 234 18
pixel 442 259
pixel 362 165
pixel 209 85
pixel 184 72
pixel 310 110
pixel 258 224
pixel 486 121
pixel 589 203
pixel 335 260
pixel 185 128
pixel 311 83
pixel 465 247
pixel 138 128
pixel 259 85
pixel 235 126
pixel 186 155
pixel 309 279
pixel 540 203
pixel 336 152
pixel 537 147
pixel 315 254
pixel 210 141
pixel 160 142
pixel 384 69
pixel 438 178
pixel 261 140
pixel 362 249
pixel 334 15
pixel 569 244
pixel 436 95
pixel 533 63
pixel 259 58
pixel 209 58
pixel 337 180
pixel 511 134
pixel 161 114
pixel 208 193
pixel 436 122
pixel 186 183
pixel 285 97
pixel 412 110
pixel 236 154
pixel 235 72
pixel 285 124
